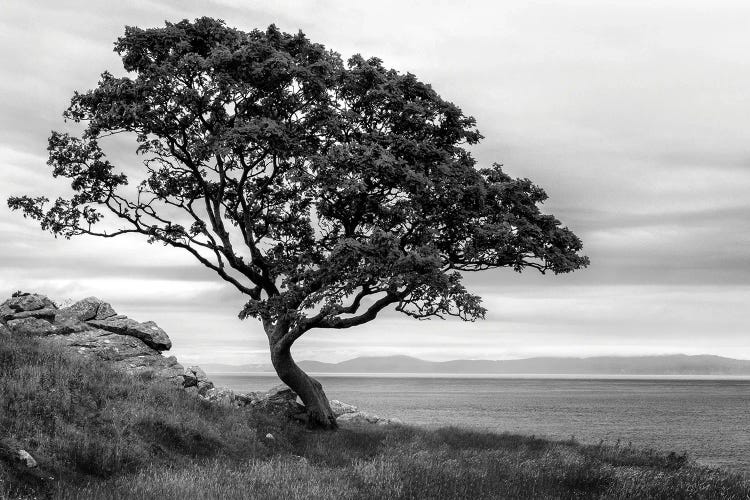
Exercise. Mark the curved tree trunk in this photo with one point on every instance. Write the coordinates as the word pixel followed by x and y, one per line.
pixel 319 413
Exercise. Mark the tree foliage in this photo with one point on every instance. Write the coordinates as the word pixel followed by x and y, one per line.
pixel 324 191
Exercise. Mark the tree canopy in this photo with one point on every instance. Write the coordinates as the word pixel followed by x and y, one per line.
pixel 324 191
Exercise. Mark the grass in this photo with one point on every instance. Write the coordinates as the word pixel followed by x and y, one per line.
pixel 97 433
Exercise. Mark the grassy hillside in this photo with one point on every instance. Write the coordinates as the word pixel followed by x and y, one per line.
pixel 97 433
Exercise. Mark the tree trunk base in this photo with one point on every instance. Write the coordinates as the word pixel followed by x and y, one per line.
pixel 318 411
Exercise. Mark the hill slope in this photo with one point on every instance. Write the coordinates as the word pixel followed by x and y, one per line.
pixel 97 432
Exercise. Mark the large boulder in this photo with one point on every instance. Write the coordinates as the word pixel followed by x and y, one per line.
pixel 26 302
pixel 33 326
pixel 148 332
pixel 45 313
pixel 87 309
pixel 106 345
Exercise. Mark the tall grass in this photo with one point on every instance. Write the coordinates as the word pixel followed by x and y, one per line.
pixel 100 434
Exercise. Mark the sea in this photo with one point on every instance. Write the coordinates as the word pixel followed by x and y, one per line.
pixel 708 417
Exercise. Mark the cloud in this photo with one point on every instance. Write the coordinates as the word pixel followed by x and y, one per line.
pixel 632 115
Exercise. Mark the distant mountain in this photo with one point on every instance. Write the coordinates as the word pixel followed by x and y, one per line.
pixel 677 364
pixel 225 368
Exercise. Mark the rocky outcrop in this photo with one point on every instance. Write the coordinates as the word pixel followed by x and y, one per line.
pixel 91 327
pixel 23 302
pixel 148 332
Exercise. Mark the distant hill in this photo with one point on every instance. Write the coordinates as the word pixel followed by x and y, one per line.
pixel 677 364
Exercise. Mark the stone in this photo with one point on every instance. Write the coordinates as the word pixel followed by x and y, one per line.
pixel 281 393
pixel 67 325
pixel 363 418
pixel 105 311
pixel 225 397
pixel 148 332
pixel 248 398
pixel 88 309
pixel 25 458
pixel 156 365
pixel 359 417
pixel 32 326
pixel 204 386
pixel 270 437
pixel 340 408
pixel 194 376
pixel 280 399
pixel 46 313
pixel 26 302
pixel 106 345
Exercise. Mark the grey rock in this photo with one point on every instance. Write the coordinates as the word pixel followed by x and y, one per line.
pixel 359 417
pixel 106 345
pixel 32 326
pixel 148 332
pixel 363 418
pixel 194 376
pixel 26 302
pixel 88 309
pixel 25 458
pixel 281 393
pixel 70 325
pixel 340 408
pixel 105 311
pixel 270 437
pixel 155 365
pixel 47 313
pixel 249 398
pixel 225 397
pixel 280 399
pixel 204 386
pixel 195 373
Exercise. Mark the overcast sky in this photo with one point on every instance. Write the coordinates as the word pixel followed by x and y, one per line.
pixel 633 115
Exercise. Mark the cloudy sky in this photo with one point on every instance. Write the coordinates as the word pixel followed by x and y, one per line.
pixel 633 115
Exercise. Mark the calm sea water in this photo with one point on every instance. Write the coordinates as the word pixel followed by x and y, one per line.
pixel 709 419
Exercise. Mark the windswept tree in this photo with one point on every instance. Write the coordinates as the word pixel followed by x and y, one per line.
pixel 323 191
